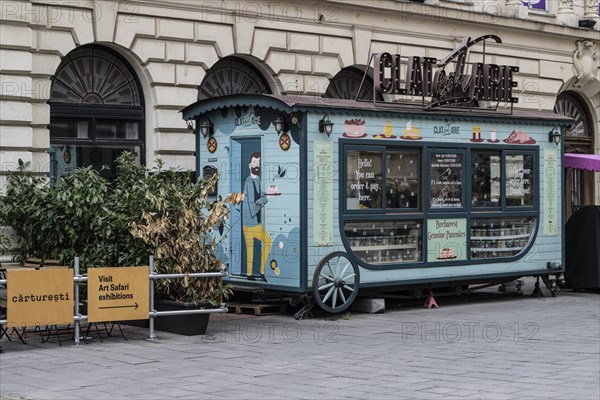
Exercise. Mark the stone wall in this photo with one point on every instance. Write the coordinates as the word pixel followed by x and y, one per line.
pixel 171 44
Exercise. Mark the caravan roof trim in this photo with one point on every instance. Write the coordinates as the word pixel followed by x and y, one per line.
pixel 291 103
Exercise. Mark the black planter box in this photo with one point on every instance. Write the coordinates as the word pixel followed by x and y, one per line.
pixel 191 324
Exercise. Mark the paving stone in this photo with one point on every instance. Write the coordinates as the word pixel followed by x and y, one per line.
pixel 366 305
pixel 369 356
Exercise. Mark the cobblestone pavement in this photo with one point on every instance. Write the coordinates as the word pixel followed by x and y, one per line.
pixel 515 347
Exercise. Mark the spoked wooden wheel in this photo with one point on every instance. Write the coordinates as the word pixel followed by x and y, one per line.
pixel 335 283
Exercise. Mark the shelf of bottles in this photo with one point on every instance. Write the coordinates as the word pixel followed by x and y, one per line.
pixel 500 237
pixel 386 242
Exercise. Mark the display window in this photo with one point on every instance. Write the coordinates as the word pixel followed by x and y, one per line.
pixel 402 179
pixel 446 180
pixel 500 237
pixel 486 179
pixel 364 180
pixel 366 172
pixel 479 203
pixel 519 180
pixel 384 242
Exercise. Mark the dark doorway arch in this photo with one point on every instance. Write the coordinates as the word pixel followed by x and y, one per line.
pixel 346 84
pixel 579 184
pixel 96 111
pixel 232 75
pixel 571 105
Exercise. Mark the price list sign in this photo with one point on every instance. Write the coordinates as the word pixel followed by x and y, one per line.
pixel 323 194
pixel 551 195
pixel 446 180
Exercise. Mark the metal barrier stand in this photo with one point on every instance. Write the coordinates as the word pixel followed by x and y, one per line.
pixel 3 282
pixel 77 278
pixel 153 313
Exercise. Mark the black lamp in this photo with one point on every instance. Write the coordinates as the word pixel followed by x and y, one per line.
pixel 190 125
pixel 206 128
pixel 554 136
pixel 326 126
pixel 586 23
pixel 279 124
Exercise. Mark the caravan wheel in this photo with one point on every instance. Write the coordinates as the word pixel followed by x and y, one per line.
pixel 335 282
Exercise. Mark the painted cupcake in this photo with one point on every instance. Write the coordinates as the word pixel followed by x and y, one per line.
pixel 411 132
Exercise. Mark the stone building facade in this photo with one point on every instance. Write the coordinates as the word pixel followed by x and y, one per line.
pixel 171 46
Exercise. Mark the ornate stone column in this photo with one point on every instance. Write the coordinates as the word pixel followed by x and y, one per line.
pixel 515 9
pixel 590 11
pixel 565 14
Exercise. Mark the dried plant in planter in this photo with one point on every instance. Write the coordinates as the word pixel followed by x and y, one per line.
pixel 180 229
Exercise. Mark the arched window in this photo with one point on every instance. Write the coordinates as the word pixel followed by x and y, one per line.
pixel 569 104
pixel 96 112
pixel 346 85
pixel 232 75
pixel 579 184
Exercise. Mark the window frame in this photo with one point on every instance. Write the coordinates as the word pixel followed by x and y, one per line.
pixel 425 213
pixel 532 7
pixel 535 177
pixel 384 209
pixel 92 112
pixel 502 177
pixel 402 210
pixel 349 149
pixel 464 187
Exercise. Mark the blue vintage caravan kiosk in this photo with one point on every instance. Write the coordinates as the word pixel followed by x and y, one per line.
pixel 342 195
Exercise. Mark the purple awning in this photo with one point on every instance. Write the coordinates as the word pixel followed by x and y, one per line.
pixel 590 162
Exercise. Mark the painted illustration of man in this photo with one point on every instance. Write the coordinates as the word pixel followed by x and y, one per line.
pixel 252 219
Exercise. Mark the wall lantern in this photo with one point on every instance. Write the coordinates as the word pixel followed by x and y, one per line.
pixel 207 128
pixel 280 124
pixel 190 125
pixel 554 136
pixel 326 126
pixel 587 23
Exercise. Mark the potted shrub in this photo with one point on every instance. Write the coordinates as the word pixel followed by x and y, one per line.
pixel 120 223
pixel 70 218
pixel 179 228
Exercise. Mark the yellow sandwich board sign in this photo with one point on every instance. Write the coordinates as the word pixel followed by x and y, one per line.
pixel 39 297
pixel 118 294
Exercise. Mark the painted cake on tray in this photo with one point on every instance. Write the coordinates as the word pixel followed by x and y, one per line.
pixel 273 191
pixel 355 128
pixel 447 253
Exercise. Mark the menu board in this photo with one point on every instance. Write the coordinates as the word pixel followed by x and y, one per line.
pixel 519 180
pixel 323 194
pixel 364 180
pixel 551 196
pixel 446 180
